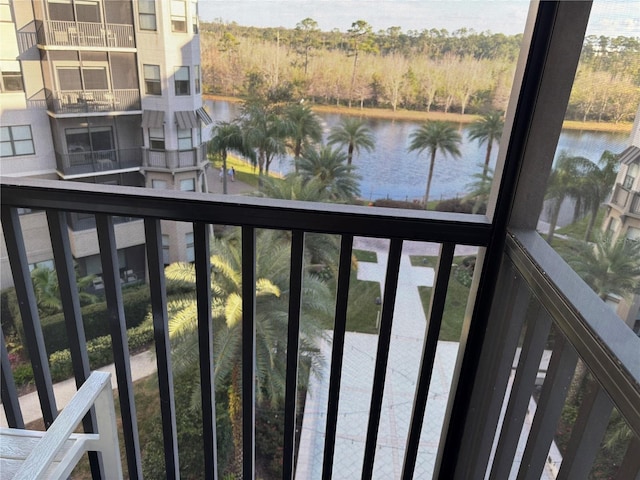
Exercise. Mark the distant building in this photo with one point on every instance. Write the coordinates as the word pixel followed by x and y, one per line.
pixel 102 91
pixel 623 216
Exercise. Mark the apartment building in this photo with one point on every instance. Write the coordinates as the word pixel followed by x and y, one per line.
pixel 102 91
pixel 623 216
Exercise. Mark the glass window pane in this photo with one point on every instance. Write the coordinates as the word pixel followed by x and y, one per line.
pixel 152 72
pixel 6 149
pixel 146 6
pixel 24 147
pixel 4 134
pixel 69 78
pixel 95 78
pixel 21 132
pixel 182 73
pixel 147 22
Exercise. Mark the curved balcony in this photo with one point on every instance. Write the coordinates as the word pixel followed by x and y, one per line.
pixel 174 159
pixel 60 33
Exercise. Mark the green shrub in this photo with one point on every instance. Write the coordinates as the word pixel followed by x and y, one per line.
pixel 23 374
pixel 455 205
pixel 388 203
pixel 99 350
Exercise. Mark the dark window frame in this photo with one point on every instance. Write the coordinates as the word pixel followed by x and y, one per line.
pixel 12 141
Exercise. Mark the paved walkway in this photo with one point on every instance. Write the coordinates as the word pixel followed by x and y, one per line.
pixel 142 365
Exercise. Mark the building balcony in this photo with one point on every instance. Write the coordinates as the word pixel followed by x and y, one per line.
pixel 82 102
pixel 620 196
pixel 82 163
pixel 175 159
pixel 541 320
pixel 58 33
pixel 634 206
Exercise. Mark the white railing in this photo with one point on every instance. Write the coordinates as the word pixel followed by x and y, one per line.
pixel 86 34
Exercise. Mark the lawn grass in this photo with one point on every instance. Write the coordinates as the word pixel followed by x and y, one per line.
pixel 423 261
pixel 365 256
pixel 455 303
pixel 577 229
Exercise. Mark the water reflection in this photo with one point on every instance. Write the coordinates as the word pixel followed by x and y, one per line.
pixel 390 171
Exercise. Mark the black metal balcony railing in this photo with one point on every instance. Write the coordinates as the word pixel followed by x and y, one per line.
pixel 98 161
pixel 535 290
pixel 85 34
pixel 93 101
pixel 174 159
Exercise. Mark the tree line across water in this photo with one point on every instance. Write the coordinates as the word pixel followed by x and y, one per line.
pixel 430 70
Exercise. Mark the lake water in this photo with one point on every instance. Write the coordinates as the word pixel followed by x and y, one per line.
pixel 390 171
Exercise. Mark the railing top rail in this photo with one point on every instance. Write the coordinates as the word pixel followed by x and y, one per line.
pixel 607 346
pixel 241 210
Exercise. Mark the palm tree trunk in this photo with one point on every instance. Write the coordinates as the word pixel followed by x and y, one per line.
pixel 426 195
pixel 235 416
pixel 350 154
pixel 590 225
pixel 487 159
pixel 224 172
pixel 553 221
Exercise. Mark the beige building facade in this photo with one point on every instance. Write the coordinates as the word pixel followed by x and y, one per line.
pixel 102 91
pixel 623 216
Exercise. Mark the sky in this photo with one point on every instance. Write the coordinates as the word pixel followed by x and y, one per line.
pixel 611 18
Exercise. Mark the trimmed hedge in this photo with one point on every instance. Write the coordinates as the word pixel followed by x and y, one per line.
pixel 99 350
pixel 136 302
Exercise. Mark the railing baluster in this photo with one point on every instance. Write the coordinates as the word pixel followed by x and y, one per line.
pixel 538 326
pixel 382 355
pixel 342 299
pixel 554 391
pixel 494 368
pixel 293 337
pixel 117 328
pixel 587 433
pixel 205 347
pixel 432 333
pixel 8 389
pixel 163 349
pixel 16 251
pixel 630 466
pixel 70 302
pixel 248 351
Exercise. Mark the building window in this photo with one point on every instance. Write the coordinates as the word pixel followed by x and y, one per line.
pixel 633 234
pixel 185 141
pixel 45 265
pixel 156 138
pixel 188 185
pixel 16 140
pixel 11 77
pixel 196 78
pixel 147 14
pixel 194 17
pixel 630 177
pixel 158 184
pixel 178 16
pixel 182 81
pixel 165 250
pixel 191 254
pixel 152 80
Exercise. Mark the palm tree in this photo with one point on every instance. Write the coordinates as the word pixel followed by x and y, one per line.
pixel 598 183
pixel 47 291
pixel 303 128
pixel 226 137
pixel 608 267
pixel 479 190
pixel 487 129
pixel 566 181
pixel 295 187
pixel 330 168
pixel 434 136
pixel 265 132
pixel 272 286
pixel 354 134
